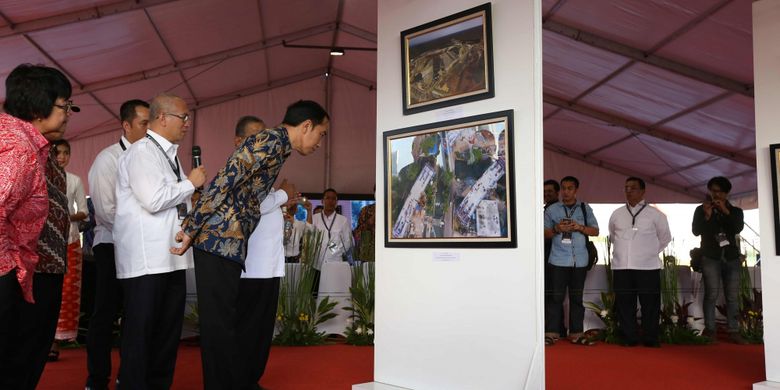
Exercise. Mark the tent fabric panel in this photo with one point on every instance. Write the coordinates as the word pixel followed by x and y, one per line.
pixel 352 137
pixel 92 114
pixel 719 167
pixel 23 52
pixel 104 48
pixel 580 133
pixel 646 94
pixel 25 11
pixel 634 155
pixel 215 130
pixel 722 44
pixel 602 185
pixel 673 154
pixel 144 90
pixel 637 23
pixel 287 61
pixel 729 122
pixel 283 17
pixel 199 26
pixel 361 14
pixel 234 74
pixel 571 67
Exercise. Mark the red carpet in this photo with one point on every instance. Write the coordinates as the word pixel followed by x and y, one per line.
pixel 671 367
pixel 603 367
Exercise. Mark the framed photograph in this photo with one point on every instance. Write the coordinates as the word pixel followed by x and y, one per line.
pixel 448 61
pixel 450 184
pixel 774 157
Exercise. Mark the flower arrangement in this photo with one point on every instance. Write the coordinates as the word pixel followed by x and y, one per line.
pixel 361 329
pixel 750 316
pixel 298 313
pixel 606 310
pixel 676 324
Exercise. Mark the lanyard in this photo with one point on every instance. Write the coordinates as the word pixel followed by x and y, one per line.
pixel 175 168
pixel 122 144
pixel 569 211
pixel 322 215
pixel 633 216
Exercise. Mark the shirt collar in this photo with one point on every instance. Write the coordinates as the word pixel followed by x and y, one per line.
pixel 125 141
pixel 36 137
pixel 639 204
pixel 167 146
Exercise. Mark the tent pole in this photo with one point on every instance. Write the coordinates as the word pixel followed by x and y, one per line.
pixel 330 134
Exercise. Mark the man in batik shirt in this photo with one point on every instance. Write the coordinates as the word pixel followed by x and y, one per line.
pixel 219 227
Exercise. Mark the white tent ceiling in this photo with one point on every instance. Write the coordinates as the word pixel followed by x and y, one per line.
pixel 655 88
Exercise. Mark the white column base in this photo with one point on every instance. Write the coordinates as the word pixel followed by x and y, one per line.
pixel 765 385
pixel 376 386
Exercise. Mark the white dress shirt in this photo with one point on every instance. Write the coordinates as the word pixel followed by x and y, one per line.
pixel 146 223
pixel 265 250
pixel 77 201
pixel 102 189
pixel 637 240
pixel 293 247
pixel 334 242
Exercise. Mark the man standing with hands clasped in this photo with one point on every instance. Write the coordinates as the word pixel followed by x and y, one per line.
pixel 219 227
pixel 152 198
pixel 638 232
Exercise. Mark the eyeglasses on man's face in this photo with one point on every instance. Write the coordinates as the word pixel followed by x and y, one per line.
pixel 183 117
pixel 68 106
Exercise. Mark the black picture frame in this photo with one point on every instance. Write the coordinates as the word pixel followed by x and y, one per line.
pixel 451 59
pixel 456 186
pixel 774 157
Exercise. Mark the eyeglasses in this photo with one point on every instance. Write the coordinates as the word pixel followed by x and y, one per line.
pixel 68 106
pixel 183 117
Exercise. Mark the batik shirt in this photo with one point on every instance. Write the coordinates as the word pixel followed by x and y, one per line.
pixel 23 198
pixel 227 213
pixel 53 242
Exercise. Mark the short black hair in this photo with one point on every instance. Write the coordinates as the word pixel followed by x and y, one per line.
pixel 59 142
pixel 571 179
pixel 32 90
pixel 551 182
pixel 638 180
pixel 329 190
pixel 243 122
pixel 720 181
pixel 303 110
pixel 127 110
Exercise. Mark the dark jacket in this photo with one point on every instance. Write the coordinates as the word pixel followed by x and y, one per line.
pixel 730 225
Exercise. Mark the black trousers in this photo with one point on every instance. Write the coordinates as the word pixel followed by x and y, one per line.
pixel 563 279
pixel 108 301
pixel 629 285
pixel 30 332
pixel 257 303
pixel 151 329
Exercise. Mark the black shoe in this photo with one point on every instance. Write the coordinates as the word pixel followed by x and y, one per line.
pixel 652 344
pixel 629 343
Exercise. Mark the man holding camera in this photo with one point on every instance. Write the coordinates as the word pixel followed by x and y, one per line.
pixel 718 222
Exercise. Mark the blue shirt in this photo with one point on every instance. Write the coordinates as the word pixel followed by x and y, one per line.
pixel 575 253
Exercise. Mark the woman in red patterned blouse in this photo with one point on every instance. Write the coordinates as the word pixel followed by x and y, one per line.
pixel 36 108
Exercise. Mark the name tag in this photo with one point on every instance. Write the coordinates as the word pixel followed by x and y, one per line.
pixel 181 209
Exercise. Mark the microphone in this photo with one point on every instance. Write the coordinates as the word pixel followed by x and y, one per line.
pixel 196 157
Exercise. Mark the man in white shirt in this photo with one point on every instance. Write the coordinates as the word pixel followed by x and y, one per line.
pixel 152 198
pixel 336 233
pixel 292 246
pixel 134 115
pixel 638 232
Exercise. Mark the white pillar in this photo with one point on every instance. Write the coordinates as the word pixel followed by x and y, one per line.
pixel 474 322
pixel 766 60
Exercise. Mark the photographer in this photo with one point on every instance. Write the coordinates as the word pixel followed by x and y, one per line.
pixel 718 223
